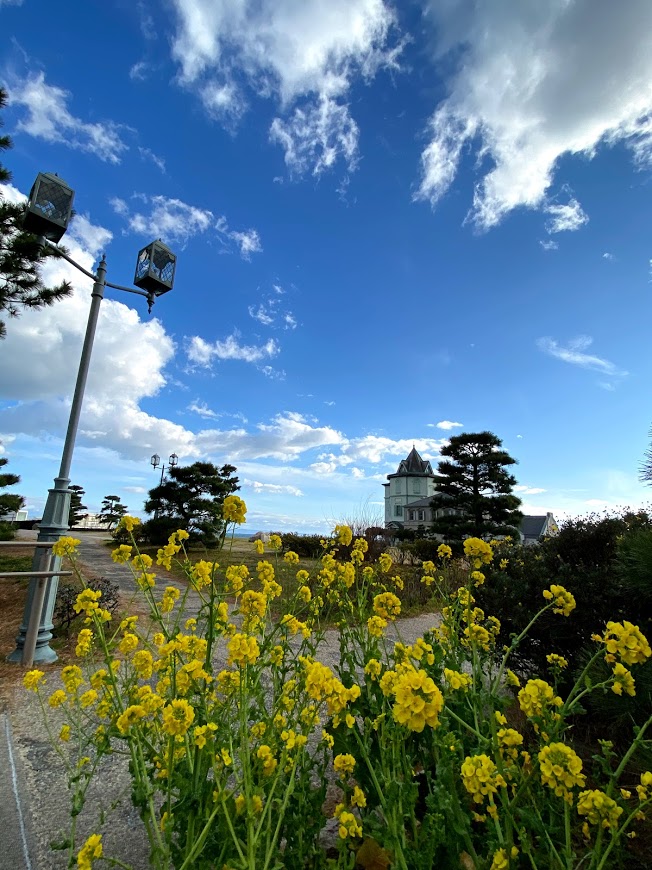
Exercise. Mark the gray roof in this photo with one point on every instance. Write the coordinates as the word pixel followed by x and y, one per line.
pixel 532 527
pixel 420 503
pixel 413 465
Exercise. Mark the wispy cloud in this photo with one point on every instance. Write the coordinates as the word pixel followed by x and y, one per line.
pixel 150 157
pixel 50 119
pixel 608 256
pixel 575 354
pixel 273 488
pixel 202 353
pixel 565 218
pixel 528 490
pixel 202 409
pixel 271 312
pixel 548 244
pixel 175 220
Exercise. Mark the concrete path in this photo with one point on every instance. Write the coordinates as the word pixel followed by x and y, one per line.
pixel 34 800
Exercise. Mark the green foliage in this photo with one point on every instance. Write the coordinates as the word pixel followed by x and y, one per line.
pixel 193 495
pixel 155 531
pixel 9 502
pixel 77 509
pixel 474 489
pixel 7 531
pixel 591 557
pixel 305 546
pixel 21 256
pixel 112 509
pixel 15 563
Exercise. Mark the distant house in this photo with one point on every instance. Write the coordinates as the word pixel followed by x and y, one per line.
pixel 408 501
pixel 19 516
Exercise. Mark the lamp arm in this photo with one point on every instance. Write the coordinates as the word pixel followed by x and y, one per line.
pixel 127 289
pixel 46 242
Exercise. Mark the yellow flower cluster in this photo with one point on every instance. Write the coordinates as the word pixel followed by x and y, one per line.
pixel 131 716
pixel 387 605
pixel 33 679
pixel 243 649
pixel 623 680
pixel 557 661
pixel 236 577
pixel 385 562
pixel 561 769
pixel 625 641
pixel 343 535
pixel 599 808
pixel 291 558
pixel 170 597
pixel 344 765
pixel 508 741
pixel 564 601
pixel 84 642
pixel 417 700
pixel 444 551
pixel 234 510
pixel 349 826
pixel 536 698
pixel 478 551
pixel 457 680
pixel 128 523
pixel 66 546
pixel 275 542
pixel 87 601
pixel 89 852
pixel 178 716
pixel 480 777
pixel 646 784
pixel 266 755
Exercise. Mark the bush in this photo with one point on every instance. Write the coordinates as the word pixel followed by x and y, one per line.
pixel 64 610
pixel 7 531
pixel 305 546
pixel 589 557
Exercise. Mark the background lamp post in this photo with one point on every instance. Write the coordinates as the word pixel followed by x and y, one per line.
pixel 47 214
pixel 155 461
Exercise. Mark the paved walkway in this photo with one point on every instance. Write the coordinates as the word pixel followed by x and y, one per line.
pixel 34 800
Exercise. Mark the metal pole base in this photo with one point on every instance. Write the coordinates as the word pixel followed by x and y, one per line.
pixel 53 526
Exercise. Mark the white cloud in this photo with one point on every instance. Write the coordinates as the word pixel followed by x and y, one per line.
pixel 272 488
pixel 138 490
pixel 309 52
pixel 447 424
pixel 528 490
pixel 534 82
pixel 11 194
pixel 202 409
pixel 11 2
pixel 139 71
pixel 90 237
pixel 314 137
pixel 565 218
pixel 574 353
pixel 150 157
pixel 169 219
pixel 175 220
pixel 50 119
pixel 202 352
pixel 608 256
pixel 548 244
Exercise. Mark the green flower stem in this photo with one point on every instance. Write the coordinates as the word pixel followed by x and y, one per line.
pixel 470 728
pixel 372 772
pixel 567 836
pixel 547 836
pixel 625 759
pixel 514 644
pixel 617 836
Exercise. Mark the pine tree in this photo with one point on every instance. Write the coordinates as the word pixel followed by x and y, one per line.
pixel 474 490
pixel 112 510
pixel 192 496
pixel 77 509
pixel 9 502
pixel 21 256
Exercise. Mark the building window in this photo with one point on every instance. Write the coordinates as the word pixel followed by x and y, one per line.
pixel 398 486
pixel 398 510
pixel 422 515
pixel 416 486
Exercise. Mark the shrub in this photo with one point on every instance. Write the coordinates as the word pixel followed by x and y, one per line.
pixel 305 546
pixel 7 531
pixel 64 610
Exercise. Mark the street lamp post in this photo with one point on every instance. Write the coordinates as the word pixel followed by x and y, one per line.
pixel 47 214
pixel 155 461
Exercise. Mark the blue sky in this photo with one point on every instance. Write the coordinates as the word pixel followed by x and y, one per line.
pixel 393 222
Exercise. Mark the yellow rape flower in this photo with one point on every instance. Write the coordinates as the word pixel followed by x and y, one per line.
pixel 480 777
pixel 66 546
pixel 178 716
pixel 72 678
pixel 417 700
pixel 561 769
pixel 537 697
pixel 57 698
pixel 234 509
pixel 376 625
pixel 478 551
pixel 385 562
pixel 266 755
pixel 259 546
pixel 291 558
pixel 343 535
pixel 121 554
pixel 387 605
pixel 33 679
pixel 457 680
pixel 170 597
pixel 64 734
pixel 444 551
pixel 344 765
pixel 128 523
pixel 625 640
pixel 131 716
pixel 557 661
pixel 89 852
pixel 243 649
pixel 564 601
pixel 623 680
pixel 128 643
pixel 275 542
pixel 599 808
